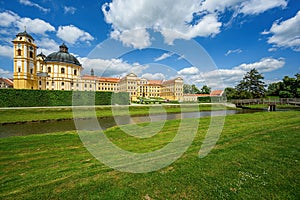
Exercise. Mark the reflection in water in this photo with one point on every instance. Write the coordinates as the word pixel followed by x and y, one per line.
pixel 68 125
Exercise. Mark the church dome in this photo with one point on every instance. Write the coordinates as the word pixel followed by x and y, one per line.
pixel 62 56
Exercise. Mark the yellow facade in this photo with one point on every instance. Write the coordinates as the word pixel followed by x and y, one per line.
pixel 24 62
pixel 62 71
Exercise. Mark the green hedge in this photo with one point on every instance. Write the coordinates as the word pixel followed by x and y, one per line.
pixel 34 98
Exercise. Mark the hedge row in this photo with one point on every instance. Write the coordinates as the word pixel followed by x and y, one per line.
pixel 34 98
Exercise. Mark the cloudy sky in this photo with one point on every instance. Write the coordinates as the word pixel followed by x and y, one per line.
pixel 204 41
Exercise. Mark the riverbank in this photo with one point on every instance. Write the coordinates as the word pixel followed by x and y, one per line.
pixel 257 156
pixel 43 114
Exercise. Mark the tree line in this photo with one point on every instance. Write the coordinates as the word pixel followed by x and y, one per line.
pixel 252 86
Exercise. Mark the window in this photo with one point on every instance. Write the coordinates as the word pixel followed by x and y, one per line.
pixel 75 72
pixel 30 54
pixel 62 83
pixel 47 83
pixel 62 70
pixel 40 82
pixel 49 69
pixel 19 52
pixel 19 69
pixel 31 71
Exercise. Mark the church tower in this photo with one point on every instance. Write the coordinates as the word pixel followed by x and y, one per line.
pixel 25 72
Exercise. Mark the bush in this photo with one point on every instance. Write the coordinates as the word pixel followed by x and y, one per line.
pixel 34 98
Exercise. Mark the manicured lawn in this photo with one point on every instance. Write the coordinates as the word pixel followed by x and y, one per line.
pixel 256 157
pixel 32 114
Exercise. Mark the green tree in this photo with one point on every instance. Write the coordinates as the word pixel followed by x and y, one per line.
pixel 275 88
pixel 190 89
pixel 230 93
pixel 187 89
pixel 205 90
pixel 252 85
pixel 195 89
pixel 291 87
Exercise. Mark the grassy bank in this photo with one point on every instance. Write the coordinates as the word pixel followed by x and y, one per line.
pixel 265 106
pixel 35 114
pixel 256 157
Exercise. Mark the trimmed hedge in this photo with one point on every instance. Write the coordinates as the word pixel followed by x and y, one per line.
pixel 34 98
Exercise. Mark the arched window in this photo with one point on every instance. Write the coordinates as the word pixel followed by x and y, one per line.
pixel 62 70
pixel 30 54
pixel 19 52
pixel 49 69
pixel 75 72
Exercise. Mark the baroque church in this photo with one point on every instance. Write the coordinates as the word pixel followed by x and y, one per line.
pixel 62 71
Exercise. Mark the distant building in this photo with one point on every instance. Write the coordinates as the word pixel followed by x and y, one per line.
pixel 6 83
pixel 194 97
pixel 62 71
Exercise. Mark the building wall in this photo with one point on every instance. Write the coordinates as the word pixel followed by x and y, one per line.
pixel 32 72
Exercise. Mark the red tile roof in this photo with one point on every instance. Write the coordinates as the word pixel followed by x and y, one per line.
pixel 155 82
pixel 8 82
pixel 216 93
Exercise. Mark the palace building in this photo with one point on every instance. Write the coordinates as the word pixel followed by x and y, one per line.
pixel 62 71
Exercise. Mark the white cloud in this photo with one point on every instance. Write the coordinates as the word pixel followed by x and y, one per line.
pixel 163 56
pixel 221 78
pixel 29 3
pixel 254 7
pixel 237 51
pixel 47 46
pixel 5 73
pixel 264 65
pixel 72 34
pixel 156 76
pixel 7 18
pixel 112 67
pixel 175 19
pixel 248 7
pixel 286 33
pixel 138 38
pixel 189 71
pixel 6 51
pixel 69 10
pixel 36 26
pixel 11 20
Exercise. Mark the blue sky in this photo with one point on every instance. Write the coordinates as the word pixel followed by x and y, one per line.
pixel 204 41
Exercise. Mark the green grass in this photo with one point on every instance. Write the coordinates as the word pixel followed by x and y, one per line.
pixel 34 114
pixel 256 157
pixel 265 106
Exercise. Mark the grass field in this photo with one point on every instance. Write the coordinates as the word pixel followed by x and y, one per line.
pixel 34 114
pixel 256 157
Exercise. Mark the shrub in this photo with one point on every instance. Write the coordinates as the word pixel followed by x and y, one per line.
pixel 34 98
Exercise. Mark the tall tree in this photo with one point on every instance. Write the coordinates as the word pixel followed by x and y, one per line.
pixel 187 89
pixel 205 90
pixel 252 85
pixel 195 89
pixel 190 89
